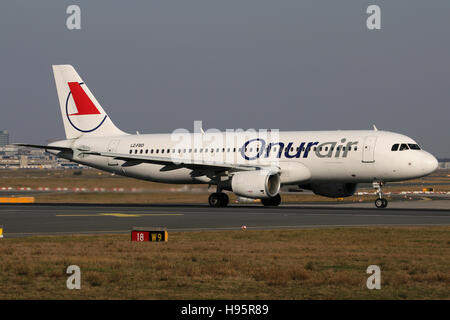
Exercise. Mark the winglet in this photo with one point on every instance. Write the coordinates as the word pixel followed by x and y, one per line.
pixel 374 128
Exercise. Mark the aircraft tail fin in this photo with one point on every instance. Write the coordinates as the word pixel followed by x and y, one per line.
pixel 82 114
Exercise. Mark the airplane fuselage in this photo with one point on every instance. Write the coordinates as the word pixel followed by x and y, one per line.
pixel 331 156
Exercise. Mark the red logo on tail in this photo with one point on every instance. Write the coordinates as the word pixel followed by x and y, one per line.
pixel 83 104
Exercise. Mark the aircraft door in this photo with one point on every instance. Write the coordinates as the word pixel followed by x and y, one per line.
pixel 368 152
pixel 112 147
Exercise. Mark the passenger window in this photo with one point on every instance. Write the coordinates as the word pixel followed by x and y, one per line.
pixel 135 151
pixel 157 150
pixel 414 146
pixel 403 146
pixel 146 150
pixel 131 151
pixel 356 148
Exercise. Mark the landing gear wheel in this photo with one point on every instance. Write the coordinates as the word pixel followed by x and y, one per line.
pixel 273 202
pixel 381 203
pixel 218 199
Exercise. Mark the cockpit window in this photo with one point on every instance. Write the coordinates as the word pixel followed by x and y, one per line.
pixel 413 146
pixel 395 147
pixel 403 146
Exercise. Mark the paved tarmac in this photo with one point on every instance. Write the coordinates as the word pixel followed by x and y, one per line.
pixel 57 219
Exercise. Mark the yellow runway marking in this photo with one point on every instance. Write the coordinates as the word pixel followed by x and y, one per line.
pixel 119 215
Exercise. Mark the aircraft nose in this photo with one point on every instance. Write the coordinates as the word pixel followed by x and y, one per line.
pixel 429 163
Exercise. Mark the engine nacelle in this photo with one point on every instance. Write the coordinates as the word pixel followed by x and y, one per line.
pixel 256 184
pixel 332 190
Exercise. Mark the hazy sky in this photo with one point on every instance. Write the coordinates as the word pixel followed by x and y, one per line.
pixel 293 65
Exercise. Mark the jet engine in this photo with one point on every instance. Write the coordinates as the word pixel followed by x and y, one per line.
pixel 256 184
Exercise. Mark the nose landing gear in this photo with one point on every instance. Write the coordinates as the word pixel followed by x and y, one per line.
pixel 380 202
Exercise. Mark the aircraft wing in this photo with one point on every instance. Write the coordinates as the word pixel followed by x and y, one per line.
pixel 174 163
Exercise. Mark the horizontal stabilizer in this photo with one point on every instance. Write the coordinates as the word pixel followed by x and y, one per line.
pixel 42 146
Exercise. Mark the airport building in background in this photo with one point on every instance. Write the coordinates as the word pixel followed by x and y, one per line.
pixel 444 163
pixel 4 138
pixel 14 157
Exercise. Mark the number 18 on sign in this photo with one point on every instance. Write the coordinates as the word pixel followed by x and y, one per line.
pixel 142 236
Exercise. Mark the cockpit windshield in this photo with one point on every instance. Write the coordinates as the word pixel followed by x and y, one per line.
pixel 405 146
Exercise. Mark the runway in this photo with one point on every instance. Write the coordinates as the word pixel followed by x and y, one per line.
pixel 59 219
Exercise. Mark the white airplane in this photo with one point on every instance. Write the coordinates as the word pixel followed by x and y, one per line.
pixel 250 164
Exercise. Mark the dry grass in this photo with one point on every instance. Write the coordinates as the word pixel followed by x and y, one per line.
pixel 296 264
pixel 90 178
pixel 159 192
pixel 115 198
pixel 174 197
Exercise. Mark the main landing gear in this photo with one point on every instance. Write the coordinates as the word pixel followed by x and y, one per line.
pixel 380 202
pixel 218 199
